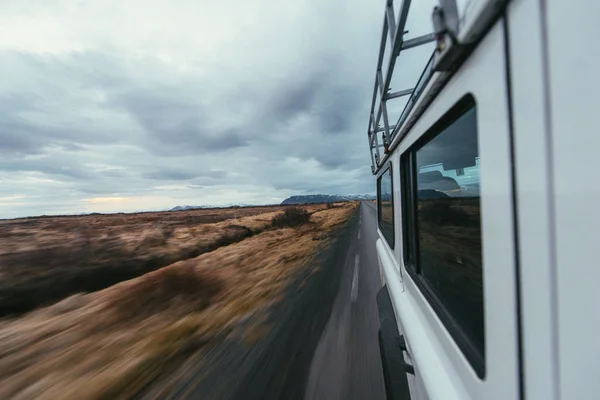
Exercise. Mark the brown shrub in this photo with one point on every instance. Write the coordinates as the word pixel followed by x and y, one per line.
pixel 291 217
pixel 178 286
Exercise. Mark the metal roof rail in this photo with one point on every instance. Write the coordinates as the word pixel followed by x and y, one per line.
pixel 394 30
pixel 449 53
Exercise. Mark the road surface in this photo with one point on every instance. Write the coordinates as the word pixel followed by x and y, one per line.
pixel 347 363
pixel 323 344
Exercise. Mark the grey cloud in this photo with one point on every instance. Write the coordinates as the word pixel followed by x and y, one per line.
pixel 320 95
pixel 181 174
pixel 20 136
pixel 297 96
pixel 48 166
pixel 172 125
pixel 41 108
pixel 114 173
pixel 109 120
pixel 185 187
pixel 224 141
pixel 330 161
pixel 165 174
pixel 354 181
pixel 334 123
pixel 340 108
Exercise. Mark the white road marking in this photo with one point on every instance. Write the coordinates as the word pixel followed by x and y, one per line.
pixel 354 291
pixel 359 234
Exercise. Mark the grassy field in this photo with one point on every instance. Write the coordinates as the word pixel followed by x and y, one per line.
pixel 176 283
pixel 46 259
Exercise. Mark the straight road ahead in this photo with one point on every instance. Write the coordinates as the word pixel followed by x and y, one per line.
pixel 347 363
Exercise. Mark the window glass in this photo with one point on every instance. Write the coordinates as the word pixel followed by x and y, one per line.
pixel 386 206
pixel 449 224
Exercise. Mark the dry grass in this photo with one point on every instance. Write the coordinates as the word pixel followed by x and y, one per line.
pixel 291 217
pixel 114 343
pixel 43 261
pixel 177 287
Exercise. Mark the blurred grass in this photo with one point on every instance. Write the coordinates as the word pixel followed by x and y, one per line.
pixel 118 342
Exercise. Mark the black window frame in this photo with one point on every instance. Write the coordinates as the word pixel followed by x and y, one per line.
pixel 390 240
pixel 407 180
pixel 410 232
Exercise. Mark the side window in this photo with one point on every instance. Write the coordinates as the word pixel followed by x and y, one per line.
pixel 443 226
pixel 385 205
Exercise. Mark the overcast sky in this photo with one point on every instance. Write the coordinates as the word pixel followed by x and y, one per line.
pixel 144 105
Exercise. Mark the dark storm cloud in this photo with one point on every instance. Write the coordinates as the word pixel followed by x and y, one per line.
pixel 174 123
pixel 320 95
pixel 297 96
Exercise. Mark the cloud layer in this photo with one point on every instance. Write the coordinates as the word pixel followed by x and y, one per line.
pixel 123 106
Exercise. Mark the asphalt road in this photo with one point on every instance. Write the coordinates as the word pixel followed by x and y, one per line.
pixel 347 363
pixel 324 338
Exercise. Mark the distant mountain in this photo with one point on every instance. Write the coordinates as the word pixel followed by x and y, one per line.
pixel 181 208
pixel 304 199
pixel 325 198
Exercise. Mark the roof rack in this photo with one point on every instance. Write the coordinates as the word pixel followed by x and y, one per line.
pixel 455 38
pixel 394 29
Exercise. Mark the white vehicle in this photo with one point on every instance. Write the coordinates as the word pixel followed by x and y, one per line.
pixel 487 209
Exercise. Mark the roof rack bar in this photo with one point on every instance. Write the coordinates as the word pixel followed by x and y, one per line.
pixel 377 157
pixel 383 108
pixel 379 110
pixel 371 129
pixel 393 31
pixel 402 16
pixel 392 127
pixel 418 41
pixel 391 22
pixel 399 93
pixel 384 32
pixel 373 165
pixel 397 43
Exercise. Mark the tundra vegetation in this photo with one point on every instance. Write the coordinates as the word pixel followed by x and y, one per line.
pixel 121 305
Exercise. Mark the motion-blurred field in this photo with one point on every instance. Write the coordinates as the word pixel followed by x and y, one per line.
pixel 43 260
pixel 118 306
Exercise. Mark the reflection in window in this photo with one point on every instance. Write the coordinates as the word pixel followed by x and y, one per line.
pixel 385 206
pixel 449 224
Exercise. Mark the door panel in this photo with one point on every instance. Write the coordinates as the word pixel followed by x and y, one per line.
pixel 573 134
pixel 442 369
